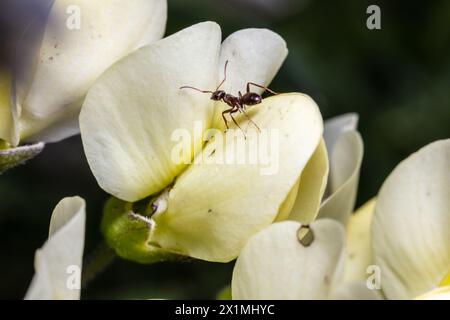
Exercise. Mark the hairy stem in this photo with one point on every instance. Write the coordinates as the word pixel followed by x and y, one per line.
pixel 97 261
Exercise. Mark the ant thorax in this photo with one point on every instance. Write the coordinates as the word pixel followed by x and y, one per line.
pixel 231 100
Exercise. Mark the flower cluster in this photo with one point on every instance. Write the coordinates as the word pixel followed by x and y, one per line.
pixel 401 236
pixel 292 228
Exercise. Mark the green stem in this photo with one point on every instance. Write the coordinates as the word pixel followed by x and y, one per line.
pixel 98 261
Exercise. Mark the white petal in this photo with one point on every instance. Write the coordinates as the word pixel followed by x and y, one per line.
pixel 254 55
pixel 334 128
pixel 312 187
pixel 61 256
pixel 83 38
pixel 66 125
pixel 410 230
pixel 359 246
pixel 345 163
pixel 215 207
pixel 275 265
pixel 130 115
pixel 41 287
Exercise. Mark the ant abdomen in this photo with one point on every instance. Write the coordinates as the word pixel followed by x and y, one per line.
pixel 251 98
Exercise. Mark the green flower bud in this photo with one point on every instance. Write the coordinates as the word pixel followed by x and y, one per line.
pixel 129 233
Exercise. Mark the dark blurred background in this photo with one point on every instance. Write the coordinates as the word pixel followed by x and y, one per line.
pixel 397 79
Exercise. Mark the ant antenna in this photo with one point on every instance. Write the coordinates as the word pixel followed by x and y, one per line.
pixel 225 75
pixel 208 91
pixel 189 87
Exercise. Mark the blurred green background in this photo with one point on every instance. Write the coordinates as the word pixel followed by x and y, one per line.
pixel 397 79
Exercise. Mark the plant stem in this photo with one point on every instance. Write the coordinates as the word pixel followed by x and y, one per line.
pixel 97 261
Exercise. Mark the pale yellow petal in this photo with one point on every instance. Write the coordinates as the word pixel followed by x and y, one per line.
pixel 253 55
pixel 410 229
pixel 275 265
pixel 312 186
pixel 216 205
pixel 130 116
pixel 288 203
pixel 359 247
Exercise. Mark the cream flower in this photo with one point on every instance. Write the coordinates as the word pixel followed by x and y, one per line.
pixel 204 209
pixel 332 175
pixel 359 253
pixel 276 265
pixel 58 263
pixel 405 231
pixel 411 223
pixel 60 60
pixel 345 148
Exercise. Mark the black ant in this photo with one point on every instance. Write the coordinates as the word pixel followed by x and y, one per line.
pixel 236 103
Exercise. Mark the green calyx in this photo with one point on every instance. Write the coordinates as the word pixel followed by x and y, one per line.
pixel 4 145
pixel 129 234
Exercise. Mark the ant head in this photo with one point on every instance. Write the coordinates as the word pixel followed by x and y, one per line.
pixel 218 95
pixel 251 98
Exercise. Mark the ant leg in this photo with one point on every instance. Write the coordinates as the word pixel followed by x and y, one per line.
pixel 231 111
pixel 225 75
pixel 223 116
pixel 259 86
pixel 250 120
pixel 235 122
